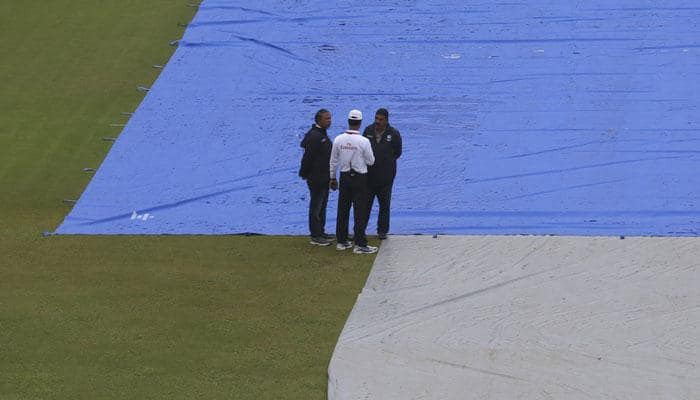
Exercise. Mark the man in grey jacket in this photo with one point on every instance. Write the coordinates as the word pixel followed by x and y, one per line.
pixel 387 148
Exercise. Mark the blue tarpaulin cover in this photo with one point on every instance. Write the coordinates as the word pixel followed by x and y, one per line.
pixel 524 117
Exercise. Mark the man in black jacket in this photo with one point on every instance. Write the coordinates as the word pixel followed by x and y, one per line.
pixel 387 147
pixel 314 169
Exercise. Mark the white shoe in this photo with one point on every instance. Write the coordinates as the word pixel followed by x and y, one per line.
pixel 364 250
pixel 342 246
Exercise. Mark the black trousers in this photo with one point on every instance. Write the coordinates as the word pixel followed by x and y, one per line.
pixel 383 195
pixel 317 207
pixel 353 193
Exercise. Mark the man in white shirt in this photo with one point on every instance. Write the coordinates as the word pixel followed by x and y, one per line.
pixel 352 153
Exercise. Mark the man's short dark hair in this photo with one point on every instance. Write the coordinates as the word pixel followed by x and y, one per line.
pixel 354 123
pixel 319 114
pixel 384 112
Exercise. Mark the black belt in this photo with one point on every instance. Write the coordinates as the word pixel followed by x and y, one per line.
pixel 352 172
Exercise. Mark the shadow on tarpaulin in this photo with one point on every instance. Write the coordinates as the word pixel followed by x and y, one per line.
pixel 535 117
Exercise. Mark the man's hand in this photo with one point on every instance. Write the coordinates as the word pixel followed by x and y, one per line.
pixel 334 184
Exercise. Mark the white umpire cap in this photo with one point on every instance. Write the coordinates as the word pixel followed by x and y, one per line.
pixel 355 115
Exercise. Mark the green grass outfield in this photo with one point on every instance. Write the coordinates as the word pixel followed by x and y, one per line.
pixel 129 317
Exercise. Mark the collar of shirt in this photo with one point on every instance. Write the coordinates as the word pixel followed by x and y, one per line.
pixel 352 132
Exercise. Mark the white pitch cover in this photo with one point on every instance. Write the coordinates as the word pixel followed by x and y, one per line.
pixel 524 317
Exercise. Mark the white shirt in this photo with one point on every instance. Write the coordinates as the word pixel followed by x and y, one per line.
pixel 351 151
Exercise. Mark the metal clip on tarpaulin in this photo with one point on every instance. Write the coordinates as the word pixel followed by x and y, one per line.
pixel 69 201
pixel 157 66
pixel 109 139
pixel 174 42
pixel 88 169
pixel 142 88
pixel 117 125
pixel 126 113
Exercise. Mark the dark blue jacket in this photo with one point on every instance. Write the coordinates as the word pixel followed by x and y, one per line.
pixel 386 152
pixel 315 164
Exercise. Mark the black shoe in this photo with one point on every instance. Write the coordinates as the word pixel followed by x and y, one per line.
pixel 319 241
pixel 328 236
pixel 382 235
